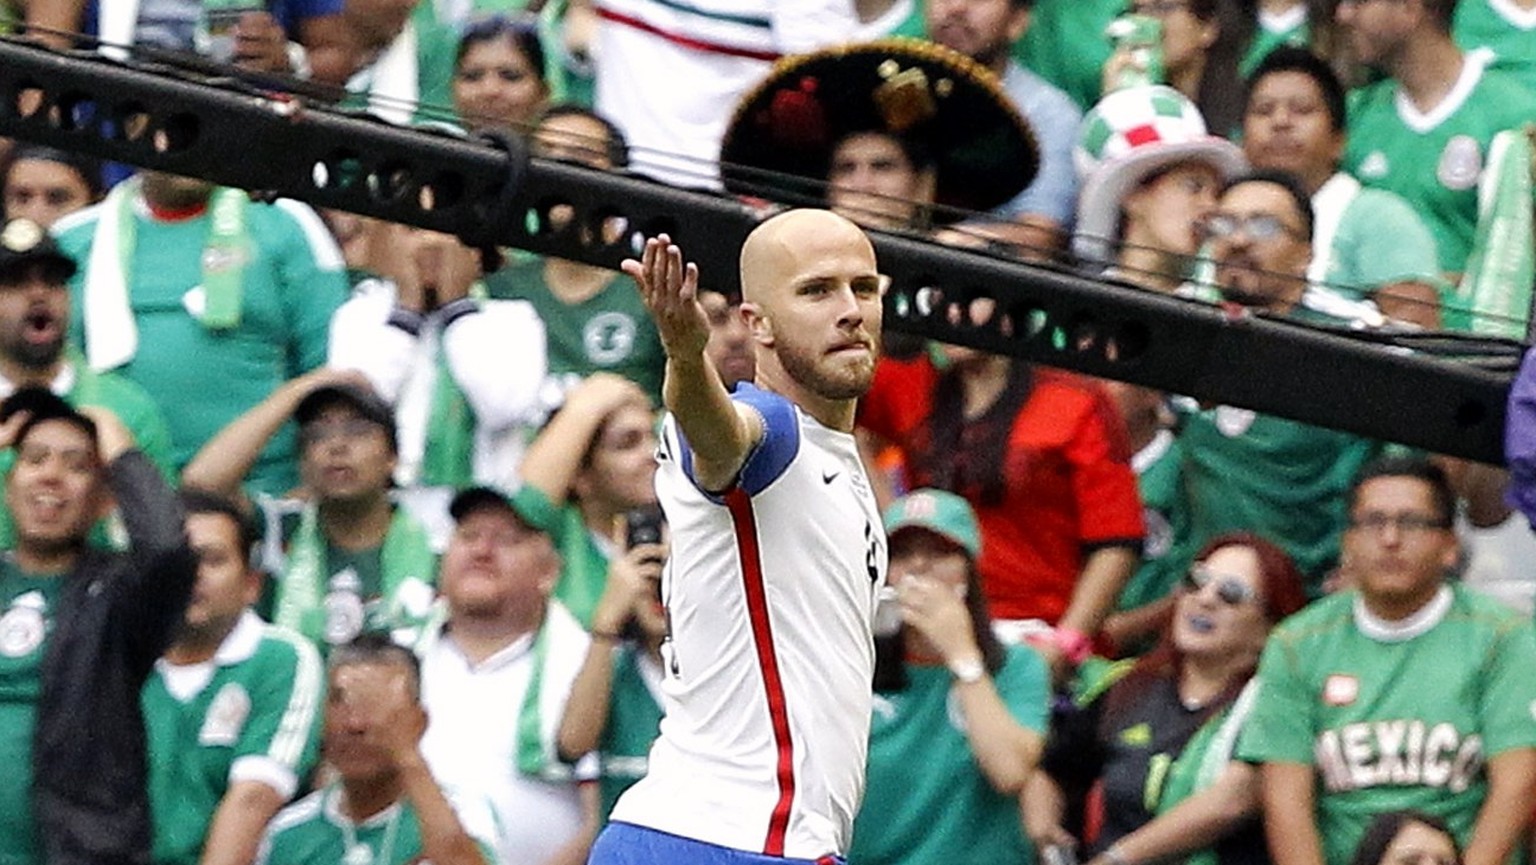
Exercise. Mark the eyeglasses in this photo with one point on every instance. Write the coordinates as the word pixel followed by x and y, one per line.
pixel 1230 590
pixel 1258 226
pixel 1406 524
pixel 319 432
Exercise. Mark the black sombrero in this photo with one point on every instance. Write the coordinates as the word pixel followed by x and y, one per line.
pixel 780 141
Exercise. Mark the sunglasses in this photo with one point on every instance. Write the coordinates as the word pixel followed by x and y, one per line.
pixel 1230 590
pixel 1257 226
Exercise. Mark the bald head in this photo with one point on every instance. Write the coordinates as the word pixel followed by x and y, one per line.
pixel 774 250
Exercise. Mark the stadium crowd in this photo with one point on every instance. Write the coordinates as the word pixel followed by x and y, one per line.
pixel 416 478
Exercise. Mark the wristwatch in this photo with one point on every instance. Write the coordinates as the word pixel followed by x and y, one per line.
pixel 967 670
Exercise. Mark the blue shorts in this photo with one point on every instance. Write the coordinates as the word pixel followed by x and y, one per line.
pixel 628 844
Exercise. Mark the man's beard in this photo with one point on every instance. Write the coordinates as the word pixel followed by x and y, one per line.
pixel 849 384
pixel 31 355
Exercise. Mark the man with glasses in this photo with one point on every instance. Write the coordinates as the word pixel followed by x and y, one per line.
pixel 346 558
pixel 1405 691
pixel 1243 471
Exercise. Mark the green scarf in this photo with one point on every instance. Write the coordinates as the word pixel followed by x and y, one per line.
pixel 1201 762
pixel 225 254
pixel 408 564
pixel 1496 286
pixel 448 459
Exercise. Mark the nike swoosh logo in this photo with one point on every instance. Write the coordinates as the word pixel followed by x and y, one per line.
pixel 829 477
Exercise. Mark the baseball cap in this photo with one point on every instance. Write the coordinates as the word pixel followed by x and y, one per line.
pixel 943 513
pixel 23 242
pixel 1128 136
pixel 471 499
pixel 360 398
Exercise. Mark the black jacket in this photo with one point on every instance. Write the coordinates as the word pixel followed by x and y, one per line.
pixel 118 613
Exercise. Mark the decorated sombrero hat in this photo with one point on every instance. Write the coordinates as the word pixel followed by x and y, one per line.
pixel 779 143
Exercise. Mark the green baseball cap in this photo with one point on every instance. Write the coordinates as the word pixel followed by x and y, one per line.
pixel 943 513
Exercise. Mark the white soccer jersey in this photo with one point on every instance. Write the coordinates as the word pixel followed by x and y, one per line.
pixel 770 593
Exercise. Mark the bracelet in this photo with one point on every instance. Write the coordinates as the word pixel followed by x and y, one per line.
pixel 1075 646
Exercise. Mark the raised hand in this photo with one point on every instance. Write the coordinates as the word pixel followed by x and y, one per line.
pixel 938 613
pixel 670 290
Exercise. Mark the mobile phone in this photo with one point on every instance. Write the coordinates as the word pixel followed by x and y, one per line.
pixel 643 526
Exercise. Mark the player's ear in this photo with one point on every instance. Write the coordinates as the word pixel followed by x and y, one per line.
pixel 758 323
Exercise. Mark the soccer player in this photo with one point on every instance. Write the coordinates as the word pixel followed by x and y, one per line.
pixel 1406 692
pixel 777 552
pixel 231 709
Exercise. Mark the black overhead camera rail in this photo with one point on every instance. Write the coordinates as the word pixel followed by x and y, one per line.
pixel 1437 392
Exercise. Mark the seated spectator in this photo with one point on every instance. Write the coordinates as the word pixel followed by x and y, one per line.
pixel 1245 471
pixel 1407 690
pixel 232 708
pixel 207 300
pixel 498 75
pixel 985 31
pixel 1157 735
pixel 462 372
pixel 590 465
pixel 645 47
pixel 1042 459
pixel 43 184
pixel 593 317
pixel 730 341
pixel 1423 132
pixel 82 629
pixel 1402 837
pixel 959 718
pixel 383 806
pixel 34 316
pixel 1368 243
pixel 886 151
pixel 615 706
pixel 1145 195
pixel 345 558
pixel 401 65
pixel 497 668
pixel 1506 28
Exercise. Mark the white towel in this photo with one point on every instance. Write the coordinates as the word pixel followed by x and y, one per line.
pixel 111 334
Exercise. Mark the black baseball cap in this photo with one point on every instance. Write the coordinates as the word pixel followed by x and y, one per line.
pixel 359 398
pixel 24 242
pixel 472 499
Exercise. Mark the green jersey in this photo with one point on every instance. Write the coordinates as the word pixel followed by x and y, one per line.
pixel 27 605
pixel 611 331
pixel 315 831
pixel 429 97
pixel 1502 27
pixel 1435 159
pixel 925 799
pixel 1346 694
pixel 1286 480
pixel 583 555
pixel 292 281
pixel 1379 241
pixel 330 594
pixel 634 722
pixel 1065 44
pixel 249 714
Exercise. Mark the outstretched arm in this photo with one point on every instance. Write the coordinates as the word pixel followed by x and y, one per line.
pixel 720 433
